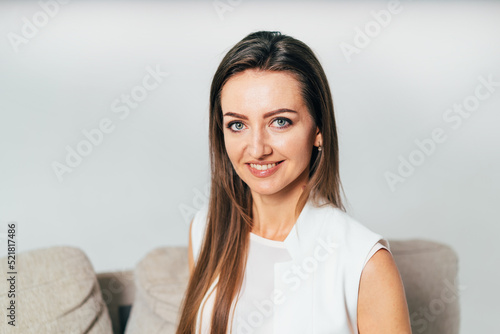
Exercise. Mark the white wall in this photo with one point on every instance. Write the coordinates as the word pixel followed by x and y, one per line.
pixel 128 195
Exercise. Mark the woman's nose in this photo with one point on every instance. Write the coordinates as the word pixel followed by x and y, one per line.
pixel 259 143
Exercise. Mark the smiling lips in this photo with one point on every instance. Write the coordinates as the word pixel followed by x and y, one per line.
pixel 264 170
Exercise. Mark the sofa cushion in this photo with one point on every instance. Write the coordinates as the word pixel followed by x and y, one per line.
pixel 161 279
pixel 56 292
pixel 429 272
pixel 143 320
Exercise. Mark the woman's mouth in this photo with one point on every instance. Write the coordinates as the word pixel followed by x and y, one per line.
pixel 264 170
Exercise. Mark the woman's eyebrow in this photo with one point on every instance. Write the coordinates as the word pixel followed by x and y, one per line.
pixel 266 115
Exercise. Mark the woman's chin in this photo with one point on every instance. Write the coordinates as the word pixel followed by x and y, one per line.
pixel 265 190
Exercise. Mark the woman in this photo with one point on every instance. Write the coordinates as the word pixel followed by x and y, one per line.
pixel 274 250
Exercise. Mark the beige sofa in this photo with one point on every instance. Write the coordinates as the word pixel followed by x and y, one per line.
pixel 57 291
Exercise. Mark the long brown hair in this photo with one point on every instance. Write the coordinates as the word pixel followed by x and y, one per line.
pixel 225 245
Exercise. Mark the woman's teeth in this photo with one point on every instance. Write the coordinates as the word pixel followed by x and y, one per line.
pixel 262 167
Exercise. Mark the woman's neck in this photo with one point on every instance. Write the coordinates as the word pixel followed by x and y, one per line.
pixel 274 215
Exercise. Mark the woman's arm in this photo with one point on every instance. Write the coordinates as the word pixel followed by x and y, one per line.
pixel 382 307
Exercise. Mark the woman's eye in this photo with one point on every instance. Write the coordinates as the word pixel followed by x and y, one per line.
pixel 235 126
pixel 282 122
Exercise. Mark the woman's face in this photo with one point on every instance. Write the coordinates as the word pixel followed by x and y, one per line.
pixel 268 132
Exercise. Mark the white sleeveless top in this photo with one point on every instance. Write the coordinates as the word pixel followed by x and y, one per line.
pixel 307 283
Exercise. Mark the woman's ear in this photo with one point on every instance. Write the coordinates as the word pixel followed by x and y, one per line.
pixel 318 139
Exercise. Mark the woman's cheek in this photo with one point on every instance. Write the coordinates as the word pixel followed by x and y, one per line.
pixel 234 149
pixel 290 141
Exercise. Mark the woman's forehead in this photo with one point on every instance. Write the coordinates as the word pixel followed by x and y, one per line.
pixel 252 91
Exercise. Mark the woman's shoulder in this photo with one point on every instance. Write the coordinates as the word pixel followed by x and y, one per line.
pixel 200 215
pixel 344 229
pixel 198 229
